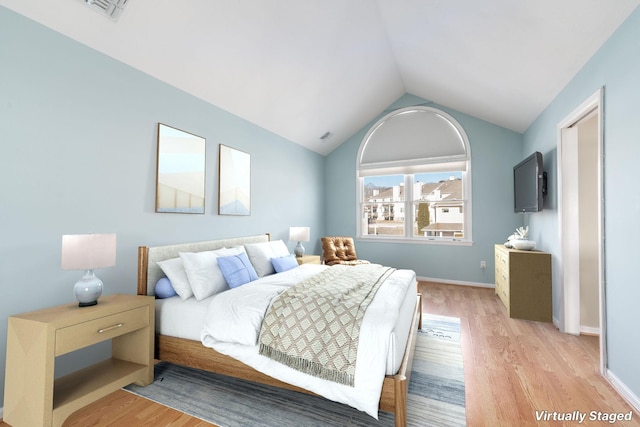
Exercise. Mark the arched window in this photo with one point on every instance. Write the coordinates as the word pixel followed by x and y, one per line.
pixel 414 178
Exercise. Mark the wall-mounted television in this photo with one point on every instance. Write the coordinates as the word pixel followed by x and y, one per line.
pixel 529 184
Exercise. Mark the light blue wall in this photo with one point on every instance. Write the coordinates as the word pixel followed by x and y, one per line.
pixel 78 155
pixel 494 151
pixel 78 141
pixel 616 67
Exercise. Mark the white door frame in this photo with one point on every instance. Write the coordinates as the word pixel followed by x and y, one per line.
pixel 569 310
pixel 568 211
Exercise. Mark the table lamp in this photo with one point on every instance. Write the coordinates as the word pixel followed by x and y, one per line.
pixel 299 234
pixel 88 252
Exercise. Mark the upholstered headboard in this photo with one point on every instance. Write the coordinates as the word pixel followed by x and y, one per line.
pixel 149 272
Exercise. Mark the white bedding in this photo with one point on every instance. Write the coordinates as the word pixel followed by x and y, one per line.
pixel 184 319
pixel 233 319
pixel 181 319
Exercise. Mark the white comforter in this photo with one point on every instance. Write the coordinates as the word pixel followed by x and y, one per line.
pixel 234 318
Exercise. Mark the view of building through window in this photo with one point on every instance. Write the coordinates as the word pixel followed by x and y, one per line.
pixel 434 205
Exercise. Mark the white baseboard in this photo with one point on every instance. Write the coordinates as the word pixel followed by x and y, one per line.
pixel 623 390
pixel 589 330
pixel 457 282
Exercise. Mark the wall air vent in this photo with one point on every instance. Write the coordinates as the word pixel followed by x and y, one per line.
pixel 110 8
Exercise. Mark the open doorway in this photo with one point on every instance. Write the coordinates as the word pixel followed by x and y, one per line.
pixel 580 211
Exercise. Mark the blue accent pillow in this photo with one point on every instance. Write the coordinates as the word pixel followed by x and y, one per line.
pixel 164 289
pixel 237 270
pixel 284 263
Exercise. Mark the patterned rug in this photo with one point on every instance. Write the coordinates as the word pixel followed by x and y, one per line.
pixel 436 391
pixel 443 327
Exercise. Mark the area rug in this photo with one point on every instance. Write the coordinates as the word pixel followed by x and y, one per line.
pixel 443 327
pixel 436 391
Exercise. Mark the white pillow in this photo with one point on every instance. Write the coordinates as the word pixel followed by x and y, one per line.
pixel 174 270
pixel 260 255
pixel 236 250
pixel 205 277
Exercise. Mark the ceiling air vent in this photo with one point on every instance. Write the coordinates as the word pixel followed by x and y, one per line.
pixel 111 8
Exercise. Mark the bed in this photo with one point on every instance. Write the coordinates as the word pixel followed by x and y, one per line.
pixel 176 342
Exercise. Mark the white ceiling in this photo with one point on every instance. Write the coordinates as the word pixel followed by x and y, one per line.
pixel 300 68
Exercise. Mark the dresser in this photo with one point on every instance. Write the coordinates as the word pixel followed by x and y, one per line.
pixel 523 283
pixel 32 394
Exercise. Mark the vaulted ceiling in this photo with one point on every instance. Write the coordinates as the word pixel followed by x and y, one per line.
pixel 301 68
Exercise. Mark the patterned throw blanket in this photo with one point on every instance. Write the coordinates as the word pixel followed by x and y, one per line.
pixel 314 326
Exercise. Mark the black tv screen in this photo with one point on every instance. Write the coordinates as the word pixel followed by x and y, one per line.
pixel 528 184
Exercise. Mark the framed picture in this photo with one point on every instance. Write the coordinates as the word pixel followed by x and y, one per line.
pixel 180 171
pixel 234 180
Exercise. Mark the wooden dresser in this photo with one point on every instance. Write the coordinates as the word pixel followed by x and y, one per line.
pixel 523 283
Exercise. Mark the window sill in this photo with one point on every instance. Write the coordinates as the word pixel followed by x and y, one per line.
pixel 415 240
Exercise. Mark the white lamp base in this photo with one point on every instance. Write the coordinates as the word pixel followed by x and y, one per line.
pixel 88 289
pixel 299 250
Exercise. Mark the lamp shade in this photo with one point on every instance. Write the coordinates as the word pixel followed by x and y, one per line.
pixel 88 251
pixel 299 234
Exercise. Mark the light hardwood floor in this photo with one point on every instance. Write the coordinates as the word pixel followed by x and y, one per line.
pixel 513 368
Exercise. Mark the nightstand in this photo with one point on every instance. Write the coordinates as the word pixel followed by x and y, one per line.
pixel 31 395
pixel 308 259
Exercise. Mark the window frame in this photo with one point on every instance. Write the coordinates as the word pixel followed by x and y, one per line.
pixel 409 169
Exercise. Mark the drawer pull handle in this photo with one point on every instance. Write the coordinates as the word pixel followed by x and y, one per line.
pixel 119 325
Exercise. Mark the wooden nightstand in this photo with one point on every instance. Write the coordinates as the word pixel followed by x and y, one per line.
pixel 308 259
pixel 33 398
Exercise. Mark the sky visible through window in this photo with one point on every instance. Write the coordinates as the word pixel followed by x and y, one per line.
pixel 391 180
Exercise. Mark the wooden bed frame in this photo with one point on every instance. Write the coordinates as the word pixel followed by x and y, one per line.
pixel 193 354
